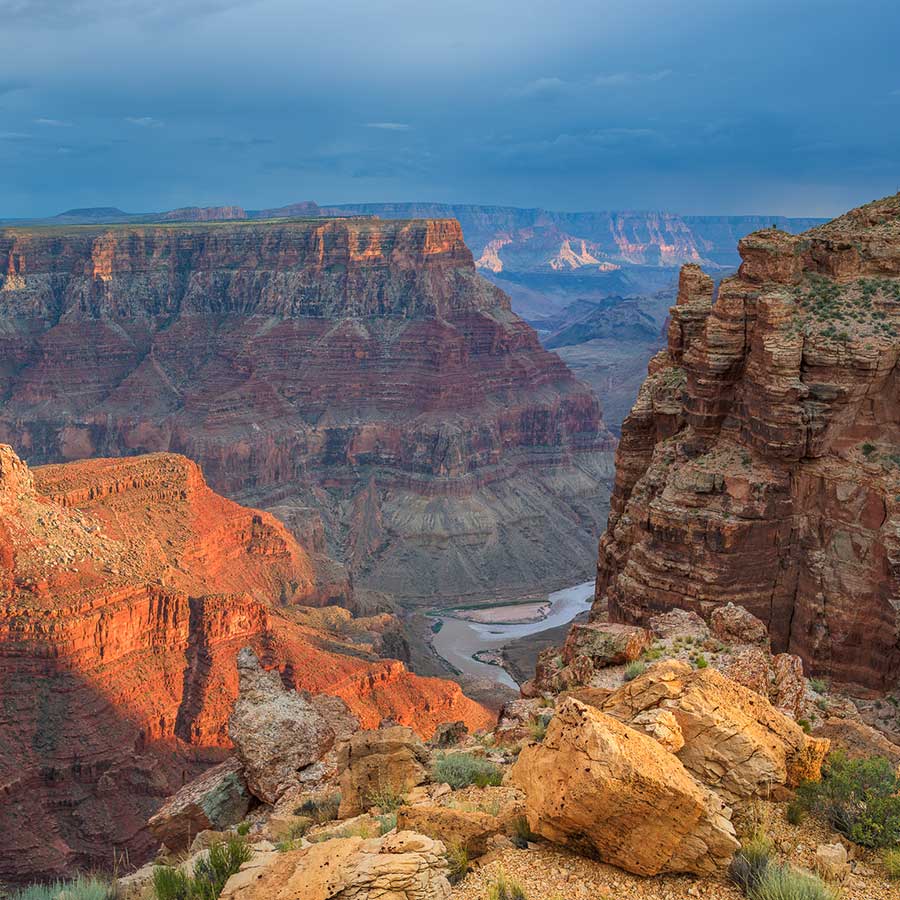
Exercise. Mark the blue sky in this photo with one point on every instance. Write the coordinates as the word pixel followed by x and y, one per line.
pixel 788 107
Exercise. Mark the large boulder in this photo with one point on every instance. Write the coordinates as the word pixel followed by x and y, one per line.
pixel 374 764
pixel 735 741
pixel 470 830
pixel 399 866
pixel 605 643
pixel 735 625
pixel 279 735
pixel 594 783
pixel 215 800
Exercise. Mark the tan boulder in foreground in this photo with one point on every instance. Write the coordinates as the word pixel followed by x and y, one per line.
pixel 388 761
pixel 594 783
pixel 735 741
pixel 400 866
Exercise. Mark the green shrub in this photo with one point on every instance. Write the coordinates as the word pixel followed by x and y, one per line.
pixel 819 685
pixel 522 833
pixel 860 798
pixel 209 876
pixel 457 862
pixel 501 889
pixel 796 812
pixel 84 887
pixel 780 882
pixel 386 823
pixel 243 829
pixel 386 799
pixel 751 861
pixel 701 662
pixel 462 769
pixel 320 810
pixel 892 864
pixel 633 670
pixel 170 884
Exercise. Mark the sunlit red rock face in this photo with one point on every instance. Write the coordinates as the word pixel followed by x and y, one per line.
pixel 761 462
pixel 127 588
pixel 357 366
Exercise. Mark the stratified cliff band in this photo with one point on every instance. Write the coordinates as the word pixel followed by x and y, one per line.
pixel 358 367
pixel 761 462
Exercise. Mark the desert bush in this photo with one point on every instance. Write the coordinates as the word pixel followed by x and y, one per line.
pixel 386 799
pixel 701 662
pixel 633 670
pixel 751 862
pixel 892 863
pixel 84 887
pixel 819 685
pixel 320 810
pixel 795 813
pixel 522 833
pixel 462 769
pixel 209 875
pixel 457 862
pixel 387 822
pixel 170 883
pixel 779 882
pixel 503 889
pixel 243 829
pixel 860 798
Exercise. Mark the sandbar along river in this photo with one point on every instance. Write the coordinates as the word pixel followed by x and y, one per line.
pixel 459 639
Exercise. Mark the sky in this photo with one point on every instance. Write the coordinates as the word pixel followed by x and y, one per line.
pixel 694 106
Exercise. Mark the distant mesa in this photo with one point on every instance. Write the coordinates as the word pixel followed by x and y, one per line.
pixel 359 366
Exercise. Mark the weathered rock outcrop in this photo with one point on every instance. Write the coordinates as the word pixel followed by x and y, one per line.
pixel 597 784
pixel 386 762
pixel 356 366
pixel 127 588
pixel 278 735
pixel 402 865
pixel 215 800
pixel 760 465
pixel 732 739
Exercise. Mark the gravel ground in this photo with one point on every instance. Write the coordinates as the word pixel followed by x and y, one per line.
pixel 548 873
pixel 553 873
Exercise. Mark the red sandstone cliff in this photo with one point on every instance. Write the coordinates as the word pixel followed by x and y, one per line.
pixel 761 462
pixel 126 589
pixel 356 366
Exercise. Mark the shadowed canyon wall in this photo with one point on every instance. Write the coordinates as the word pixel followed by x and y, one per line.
pixel 761 462
pixel 360 368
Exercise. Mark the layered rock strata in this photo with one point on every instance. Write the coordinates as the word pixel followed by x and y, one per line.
pixel 127 588
pixel 761 462
pixel 357 367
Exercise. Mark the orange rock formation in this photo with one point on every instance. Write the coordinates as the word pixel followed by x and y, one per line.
pixel 126 589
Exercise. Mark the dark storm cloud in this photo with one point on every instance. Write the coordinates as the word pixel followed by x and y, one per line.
pixel 696 105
